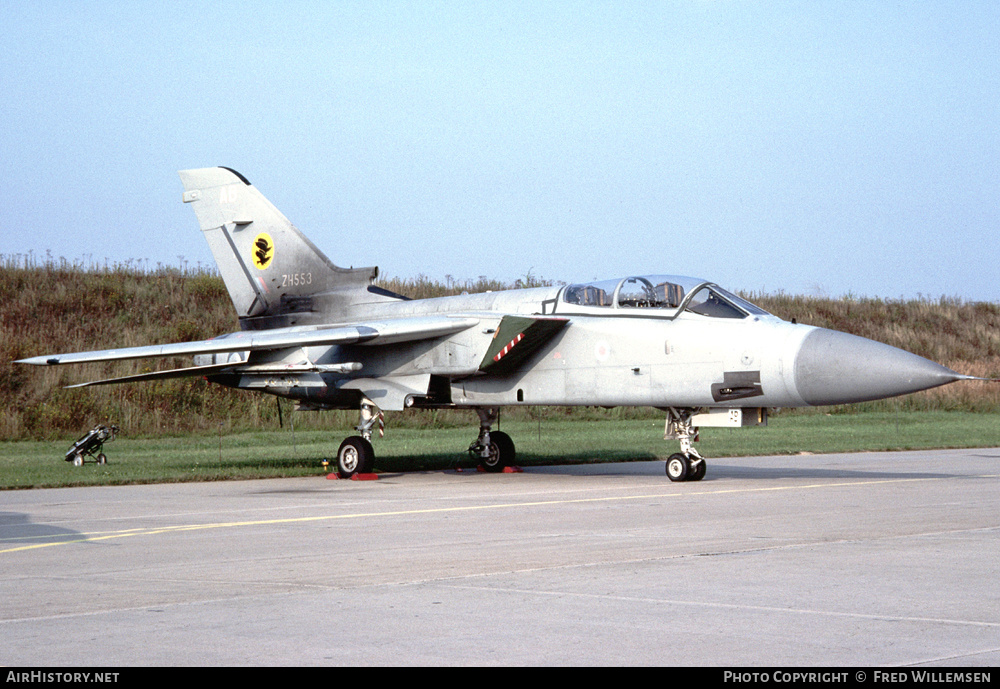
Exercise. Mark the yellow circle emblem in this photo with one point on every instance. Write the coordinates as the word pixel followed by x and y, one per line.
pixel 262 251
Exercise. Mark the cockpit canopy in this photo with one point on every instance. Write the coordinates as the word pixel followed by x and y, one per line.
pixel 670 292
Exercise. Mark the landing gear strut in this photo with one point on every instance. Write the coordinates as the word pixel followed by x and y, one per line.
pixel 356 454
pixel 493 449
pixel 686 465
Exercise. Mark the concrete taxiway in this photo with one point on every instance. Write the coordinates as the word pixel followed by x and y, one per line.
pixel 850 559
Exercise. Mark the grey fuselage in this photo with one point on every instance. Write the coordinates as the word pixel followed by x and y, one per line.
pixel 603 356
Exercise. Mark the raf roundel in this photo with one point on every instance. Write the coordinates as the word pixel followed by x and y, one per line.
pixel 262 251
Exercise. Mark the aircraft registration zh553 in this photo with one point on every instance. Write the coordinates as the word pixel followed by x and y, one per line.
pixel 330 338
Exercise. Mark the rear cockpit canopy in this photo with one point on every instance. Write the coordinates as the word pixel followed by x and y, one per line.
pixel 671 293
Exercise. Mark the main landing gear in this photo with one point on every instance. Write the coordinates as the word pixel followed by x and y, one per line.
pixel 493 449
pixel 356 454
pixel 686 465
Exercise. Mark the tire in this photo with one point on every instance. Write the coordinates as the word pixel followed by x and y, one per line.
pixel 698 471
pixel 369 463
pixel 78 460
pixel 502 453
pixel 678 467
pixel 355 456
pixel 102 458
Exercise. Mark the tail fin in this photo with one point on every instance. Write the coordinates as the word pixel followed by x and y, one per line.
pixel 269 267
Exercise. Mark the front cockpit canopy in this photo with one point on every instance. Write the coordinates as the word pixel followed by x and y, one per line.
pixel 669 292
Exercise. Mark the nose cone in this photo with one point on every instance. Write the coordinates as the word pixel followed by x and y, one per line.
pixel 836 368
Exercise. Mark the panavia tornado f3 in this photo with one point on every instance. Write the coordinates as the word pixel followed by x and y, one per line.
pixel 330 338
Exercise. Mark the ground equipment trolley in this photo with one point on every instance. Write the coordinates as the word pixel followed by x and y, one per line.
pixel 91 443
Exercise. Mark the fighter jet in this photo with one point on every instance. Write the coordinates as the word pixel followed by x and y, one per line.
pixel 330 338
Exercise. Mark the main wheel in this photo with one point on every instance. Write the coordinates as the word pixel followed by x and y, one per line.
pixel 355 456
pixel 678 467
pixel 78 460
pixel 502 452
pixel 102 458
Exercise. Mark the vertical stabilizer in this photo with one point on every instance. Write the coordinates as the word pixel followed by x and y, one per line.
pixel 269 267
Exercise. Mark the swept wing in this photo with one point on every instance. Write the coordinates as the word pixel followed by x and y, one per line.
pixel 372 333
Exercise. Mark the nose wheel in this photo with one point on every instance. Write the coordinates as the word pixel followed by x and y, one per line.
pixel 681 467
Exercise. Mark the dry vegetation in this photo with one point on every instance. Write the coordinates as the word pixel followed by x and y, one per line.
pixel 51 307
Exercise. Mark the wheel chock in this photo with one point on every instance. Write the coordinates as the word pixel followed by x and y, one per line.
pixel 356 477
pixel 513 470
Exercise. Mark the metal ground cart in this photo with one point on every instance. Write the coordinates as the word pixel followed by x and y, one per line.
pixel 91 443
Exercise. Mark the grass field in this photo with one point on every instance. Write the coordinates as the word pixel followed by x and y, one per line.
pixel 30 464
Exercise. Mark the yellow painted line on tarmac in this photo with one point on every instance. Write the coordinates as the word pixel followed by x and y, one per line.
pixel 180 528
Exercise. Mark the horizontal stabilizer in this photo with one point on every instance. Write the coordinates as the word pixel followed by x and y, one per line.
pixel 285 370
pixel 372 333
pixel 159 375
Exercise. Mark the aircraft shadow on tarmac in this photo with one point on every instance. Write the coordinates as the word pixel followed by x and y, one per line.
pixel 524 460
pixel 725 468
pixel 609 462
pixel 770 473
pixel 632 463
pixel 442 461
pixel 18 529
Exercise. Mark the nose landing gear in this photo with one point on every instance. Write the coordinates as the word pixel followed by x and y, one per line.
pixel 686 465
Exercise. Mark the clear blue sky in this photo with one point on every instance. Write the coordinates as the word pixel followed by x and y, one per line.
pixel 810 147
